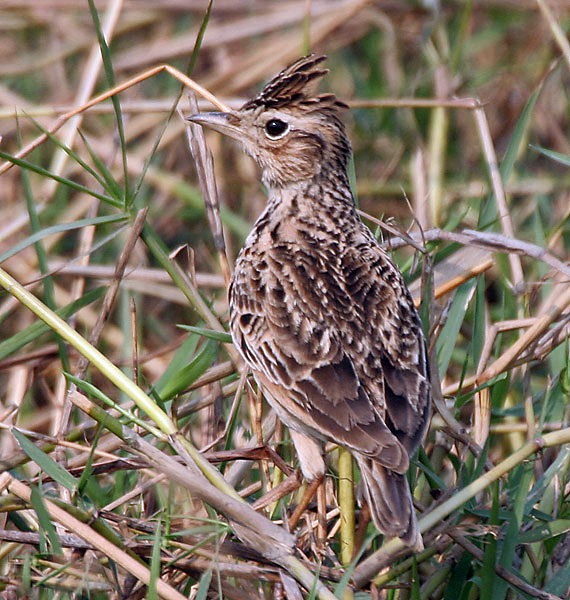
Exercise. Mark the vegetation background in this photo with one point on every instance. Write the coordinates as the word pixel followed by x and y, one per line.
pixel 460 127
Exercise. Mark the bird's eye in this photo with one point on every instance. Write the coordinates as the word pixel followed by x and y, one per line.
pixel 275 129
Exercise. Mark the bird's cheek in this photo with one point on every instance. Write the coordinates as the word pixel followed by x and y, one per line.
pixel 304 160
pixel 307 169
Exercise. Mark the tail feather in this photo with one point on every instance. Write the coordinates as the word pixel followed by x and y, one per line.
pixel 390 501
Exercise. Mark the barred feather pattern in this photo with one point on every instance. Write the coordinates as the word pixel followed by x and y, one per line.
pixel 318 310
pixel 324 319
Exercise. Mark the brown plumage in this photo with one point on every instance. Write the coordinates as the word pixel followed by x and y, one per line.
pixel 317 309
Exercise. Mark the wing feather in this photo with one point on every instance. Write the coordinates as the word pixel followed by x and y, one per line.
pixel 339 332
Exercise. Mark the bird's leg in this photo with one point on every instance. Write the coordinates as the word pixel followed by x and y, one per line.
pixel 255 405
pixel 307 497
pixel 362 524
pixel 321 515
pixel 312 464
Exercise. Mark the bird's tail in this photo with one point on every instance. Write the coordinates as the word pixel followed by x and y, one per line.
pixel 388 495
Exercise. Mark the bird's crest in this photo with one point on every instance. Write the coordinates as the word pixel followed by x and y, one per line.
pixel 296 86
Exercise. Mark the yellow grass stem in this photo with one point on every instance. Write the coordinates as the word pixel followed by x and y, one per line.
pixel 346 503
pixel 86 532
pixel 95 357
pixel 116 376
pixel 439 126
pixel 372 564
pixel 556 30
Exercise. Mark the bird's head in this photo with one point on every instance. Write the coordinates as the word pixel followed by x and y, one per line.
pixel 290 131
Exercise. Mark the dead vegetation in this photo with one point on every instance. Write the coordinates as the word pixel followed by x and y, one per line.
pixel 461 152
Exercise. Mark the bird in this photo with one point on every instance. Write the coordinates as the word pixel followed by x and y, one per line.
pixel 317 309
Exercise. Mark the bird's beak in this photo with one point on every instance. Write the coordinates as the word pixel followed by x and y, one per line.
pixel 227 123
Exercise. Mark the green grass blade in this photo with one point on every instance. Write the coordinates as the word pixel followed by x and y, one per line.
pixel 519 483
pixel 313 590
pixel 45 462
pixel 41 253
pixel 489 211
pixel 86 479
pixel 339 590
pixel 460 41
pixel 479 325
pixel 458 577
pixel 545 531
pixel 199 38
pixel 519 132
pixel 71 153
pixel 60 228
pixel 226 338
pixel 189 373
pixel 46 525
pixel 415 583
pixel 108 65
pixel 559 583
pixel 448 336
pixel 204 586
pixel 33 331
pixel 559 465
pixel 565 372
pixel 189 69
pixel 487 572
pixel 563 159
pixel 108 182
pixel 95 392
pixel 423 462
pixel 152 594
pixel 24 164
pixel 181 358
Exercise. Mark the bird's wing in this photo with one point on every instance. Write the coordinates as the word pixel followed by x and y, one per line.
pixel 395 347
pixel 347 352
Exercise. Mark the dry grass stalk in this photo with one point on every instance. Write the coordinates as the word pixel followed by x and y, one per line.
pixel 522 339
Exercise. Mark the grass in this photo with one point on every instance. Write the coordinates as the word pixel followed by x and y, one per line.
pixel 123 401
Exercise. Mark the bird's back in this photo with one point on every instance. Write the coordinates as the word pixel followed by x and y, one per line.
pixel 318 308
